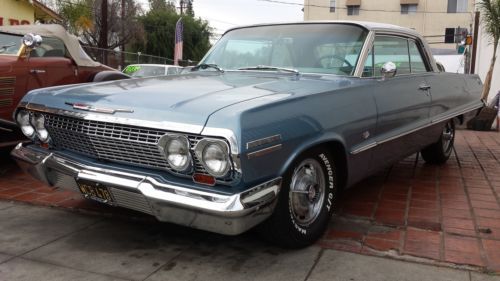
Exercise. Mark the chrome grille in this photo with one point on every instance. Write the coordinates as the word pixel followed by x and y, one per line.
pixel 112 142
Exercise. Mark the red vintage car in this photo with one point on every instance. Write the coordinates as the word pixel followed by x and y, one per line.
pixel 37 56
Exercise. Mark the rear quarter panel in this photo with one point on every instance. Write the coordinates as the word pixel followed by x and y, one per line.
pixel 452 93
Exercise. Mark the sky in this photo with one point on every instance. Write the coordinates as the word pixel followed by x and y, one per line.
pixel 224 14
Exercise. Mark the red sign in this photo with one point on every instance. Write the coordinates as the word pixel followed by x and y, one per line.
pixel 15 21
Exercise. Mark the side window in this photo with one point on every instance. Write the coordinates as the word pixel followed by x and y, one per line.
pixel 50 47
pixel 395 49
pixel 385 49
pixel 416 61
pixel 368 68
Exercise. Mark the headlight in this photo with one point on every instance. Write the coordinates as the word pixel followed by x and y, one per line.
pixel 215 158
pixel 176 149
pixel 23 120
pixel 38 121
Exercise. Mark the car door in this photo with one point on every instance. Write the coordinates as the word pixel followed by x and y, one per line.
pixel 402 101
pixel 50 65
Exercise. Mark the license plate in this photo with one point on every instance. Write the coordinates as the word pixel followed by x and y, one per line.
pixel 95 191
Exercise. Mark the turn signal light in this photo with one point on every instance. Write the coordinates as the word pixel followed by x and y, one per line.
pixel 204 179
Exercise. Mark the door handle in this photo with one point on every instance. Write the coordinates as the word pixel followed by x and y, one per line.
pixel 37 71
pixel 424 87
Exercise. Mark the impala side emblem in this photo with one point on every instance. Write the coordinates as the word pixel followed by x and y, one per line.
pixel 86 107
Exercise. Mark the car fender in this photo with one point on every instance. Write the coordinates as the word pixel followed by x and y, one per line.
pixel 317 140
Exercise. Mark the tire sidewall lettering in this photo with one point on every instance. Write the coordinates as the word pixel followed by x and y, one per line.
pixel 329 198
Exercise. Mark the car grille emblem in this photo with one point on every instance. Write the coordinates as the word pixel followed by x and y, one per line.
pixel 86 107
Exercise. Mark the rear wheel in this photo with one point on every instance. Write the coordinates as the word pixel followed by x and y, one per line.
pixel 306 201
pixel 440 151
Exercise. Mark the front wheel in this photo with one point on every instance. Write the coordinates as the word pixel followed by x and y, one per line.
pixel 306 201
pixel 440 151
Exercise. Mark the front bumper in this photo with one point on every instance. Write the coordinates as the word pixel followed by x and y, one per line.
pixel 211 211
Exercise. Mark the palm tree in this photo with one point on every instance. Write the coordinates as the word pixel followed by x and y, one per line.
pixel 490 13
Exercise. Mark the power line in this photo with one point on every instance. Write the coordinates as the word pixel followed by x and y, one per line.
pixel 361 9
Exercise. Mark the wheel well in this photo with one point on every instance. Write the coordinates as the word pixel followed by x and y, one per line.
pixel 339 155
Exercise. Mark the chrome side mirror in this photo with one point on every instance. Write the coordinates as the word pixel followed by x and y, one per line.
pixel 388 70
pixel 32 41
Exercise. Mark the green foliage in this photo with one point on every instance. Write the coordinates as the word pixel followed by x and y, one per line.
pixel 490 14
pixel 77 15
pixel 159 28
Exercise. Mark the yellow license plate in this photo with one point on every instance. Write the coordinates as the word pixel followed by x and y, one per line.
pixel 96 191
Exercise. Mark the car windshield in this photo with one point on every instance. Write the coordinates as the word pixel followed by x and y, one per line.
pixel 309 48
pixel 10 44
pixel 144 70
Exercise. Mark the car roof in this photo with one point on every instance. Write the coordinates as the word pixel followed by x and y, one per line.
pixel 372 26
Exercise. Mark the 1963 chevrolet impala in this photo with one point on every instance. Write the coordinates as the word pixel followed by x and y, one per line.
pixel 266 130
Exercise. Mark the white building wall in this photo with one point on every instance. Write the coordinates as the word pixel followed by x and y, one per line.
pixel 483 59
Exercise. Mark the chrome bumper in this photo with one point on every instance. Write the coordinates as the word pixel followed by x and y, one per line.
pixel 225 214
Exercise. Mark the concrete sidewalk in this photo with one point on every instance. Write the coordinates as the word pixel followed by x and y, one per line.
pixel 43 243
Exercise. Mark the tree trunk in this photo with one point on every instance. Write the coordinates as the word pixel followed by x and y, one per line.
pixel 489 76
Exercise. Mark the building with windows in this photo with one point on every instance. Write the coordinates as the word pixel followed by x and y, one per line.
pixel 15 12
pixel 438 20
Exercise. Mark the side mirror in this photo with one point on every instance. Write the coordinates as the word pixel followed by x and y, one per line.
pixel 388 70
pixel 32 41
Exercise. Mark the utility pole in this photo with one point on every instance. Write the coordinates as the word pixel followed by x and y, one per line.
pixel 103 36
pixel 474 44
pixel 181 3
pixel 123 35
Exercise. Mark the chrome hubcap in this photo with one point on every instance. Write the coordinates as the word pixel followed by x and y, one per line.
pixel 448 135
pixel 307 192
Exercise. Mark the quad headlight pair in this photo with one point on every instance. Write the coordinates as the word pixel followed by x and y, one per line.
pixel 32 125
pixel 212 153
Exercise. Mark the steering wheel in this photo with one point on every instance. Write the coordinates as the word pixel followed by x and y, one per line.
pixel 330 57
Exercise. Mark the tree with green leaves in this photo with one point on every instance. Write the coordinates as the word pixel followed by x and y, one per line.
pixel 159 31
pixel 83 18
pixel 490 14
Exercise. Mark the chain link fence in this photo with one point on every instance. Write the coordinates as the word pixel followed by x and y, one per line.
pixel 119 59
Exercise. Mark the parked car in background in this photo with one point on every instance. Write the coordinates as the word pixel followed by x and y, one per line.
pixel 147 70
pixel 55 58
pixel 265 131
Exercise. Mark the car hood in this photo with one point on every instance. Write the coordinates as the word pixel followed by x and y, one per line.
pixel 185 99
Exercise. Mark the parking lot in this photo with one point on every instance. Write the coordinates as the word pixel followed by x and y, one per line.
pixel 441 215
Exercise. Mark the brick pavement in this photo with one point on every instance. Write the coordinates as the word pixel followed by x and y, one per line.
pixel 448 214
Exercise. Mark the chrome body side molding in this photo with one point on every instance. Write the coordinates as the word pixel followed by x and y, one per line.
pixel 440 118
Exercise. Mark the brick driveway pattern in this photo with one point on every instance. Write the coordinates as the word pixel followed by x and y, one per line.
pixel 449 214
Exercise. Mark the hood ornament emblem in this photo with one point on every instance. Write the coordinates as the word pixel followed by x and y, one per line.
pixel 108 110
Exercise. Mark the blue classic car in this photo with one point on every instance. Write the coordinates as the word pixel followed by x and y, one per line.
pixel 265 131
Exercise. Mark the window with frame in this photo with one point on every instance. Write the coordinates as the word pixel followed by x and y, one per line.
pixel 332 6
pixel 457 6
pixel 353 10
pixel 50 47
pixel 388 49
pixel 408 9
pixel 417 64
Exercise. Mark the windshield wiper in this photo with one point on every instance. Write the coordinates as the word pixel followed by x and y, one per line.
pixel 3 48
pixel 207 65
pixel 268 67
